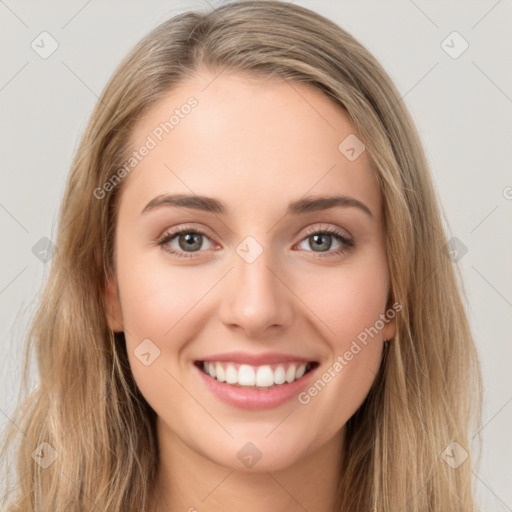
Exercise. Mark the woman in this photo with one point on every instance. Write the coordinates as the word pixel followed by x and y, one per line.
pixel 251 306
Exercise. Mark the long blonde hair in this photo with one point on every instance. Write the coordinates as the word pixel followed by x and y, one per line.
pixel 87 408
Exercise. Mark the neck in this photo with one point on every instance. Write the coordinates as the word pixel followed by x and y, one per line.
pixel 188 481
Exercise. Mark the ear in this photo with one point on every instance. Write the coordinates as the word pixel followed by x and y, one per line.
pixel 392 310
pixel 388 332
pixel 113 305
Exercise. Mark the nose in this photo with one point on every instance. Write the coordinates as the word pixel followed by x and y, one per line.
pixel 256 298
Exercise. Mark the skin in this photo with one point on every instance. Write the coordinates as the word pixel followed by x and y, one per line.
pixel 256 145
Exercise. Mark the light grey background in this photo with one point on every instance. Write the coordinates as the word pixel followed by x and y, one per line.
pixel 462 107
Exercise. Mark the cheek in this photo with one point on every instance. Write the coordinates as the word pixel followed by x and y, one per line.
pixel 156 296
pixel 348 302
pixel 348 299
pixel 161 304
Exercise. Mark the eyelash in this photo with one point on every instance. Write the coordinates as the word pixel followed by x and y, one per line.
pixel 348 243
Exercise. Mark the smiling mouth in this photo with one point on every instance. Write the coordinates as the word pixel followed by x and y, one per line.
pixel 263 377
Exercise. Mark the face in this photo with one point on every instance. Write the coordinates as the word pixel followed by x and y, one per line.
pixel 285 296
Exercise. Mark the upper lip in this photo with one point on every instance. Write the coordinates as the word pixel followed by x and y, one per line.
pixel 256 359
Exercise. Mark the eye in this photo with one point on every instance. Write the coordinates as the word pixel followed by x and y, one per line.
pixel 184 241
pixel 321 240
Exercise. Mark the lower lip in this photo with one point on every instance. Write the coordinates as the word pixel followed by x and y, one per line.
pixel 255 399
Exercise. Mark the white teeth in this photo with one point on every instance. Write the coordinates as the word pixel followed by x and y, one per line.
pixel 264 377
pixel 221 374
pixel 301 370
pixel 279 375
pixel 259 376
pixel 231 374
pixel 246 375
pixel 290 373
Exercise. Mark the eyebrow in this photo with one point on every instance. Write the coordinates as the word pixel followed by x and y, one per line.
pixel 301 206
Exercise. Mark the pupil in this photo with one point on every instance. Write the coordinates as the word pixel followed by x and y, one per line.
pixel 190 241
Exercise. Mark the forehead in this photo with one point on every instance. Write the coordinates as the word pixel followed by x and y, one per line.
pixel 248 141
